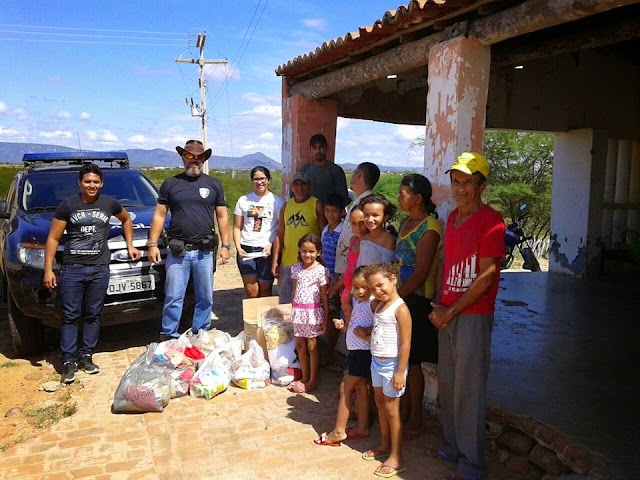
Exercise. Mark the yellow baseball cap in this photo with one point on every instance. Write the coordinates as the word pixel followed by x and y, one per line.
pixel 470 163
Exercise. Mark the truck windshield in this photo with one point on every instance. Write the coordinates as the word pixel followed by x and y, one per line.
pixel 45 190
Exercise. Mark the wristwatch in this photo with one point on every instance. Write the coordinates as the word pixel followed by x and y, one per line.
pixel 226 245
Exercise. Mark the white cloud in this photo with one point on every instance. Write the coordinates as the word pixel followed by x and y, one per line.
pixel 318 24
pixel 272 111
pixel 102 136
pixel 85 116
pixel 266 136
pixel 3 108
pixel 219 72
pixel 259 99
pixel 11 132
pixel 21 114
pixel 63 115
pixel 139 140
pixel 57 134
pixel 409 132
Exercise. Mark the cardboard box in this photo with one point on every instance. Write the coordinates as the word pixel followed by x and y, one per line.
pixel 253 314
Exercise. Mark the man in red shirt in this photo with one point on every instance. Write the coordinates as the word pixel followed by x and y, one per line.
pixel 473 249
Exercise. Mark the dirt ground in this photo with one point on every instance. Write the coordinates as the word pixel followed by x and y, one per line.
pixel 27 411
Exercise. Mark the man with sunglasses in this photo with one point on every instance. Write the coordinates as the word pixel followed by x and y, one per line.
pixel 193 198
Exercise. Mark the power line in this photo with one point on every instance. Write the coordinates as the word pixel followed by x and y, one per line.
pixel 218 94
pixel 83 35
pixel 42 40
pixel 88 29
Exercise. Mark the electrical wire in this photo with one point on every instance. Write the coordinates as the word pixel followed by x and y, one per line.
pixel 237 63
pixel 87 29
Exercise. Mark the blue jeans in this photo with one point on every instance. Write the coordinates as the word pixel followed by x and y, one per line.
pixel 83 289
pixel 198 263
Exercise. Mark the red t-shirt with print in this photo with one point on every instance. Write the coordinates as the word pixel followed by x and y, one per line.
pixel 481 236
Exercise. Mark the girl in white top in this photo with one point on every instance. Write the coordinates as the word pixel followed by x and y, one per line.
pixel 378 245
pixel 358 328
pixel 390 345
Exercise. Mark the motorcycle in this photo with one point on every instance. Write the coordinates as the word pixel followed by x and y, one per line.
pixel 514 237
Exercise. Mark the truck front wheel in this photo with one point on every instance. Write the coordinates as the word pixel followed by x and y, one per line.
pixel 26 332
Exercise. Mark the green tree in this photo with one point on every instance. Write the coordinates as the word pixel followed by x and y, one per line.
pixel 521 165
pixel 520 175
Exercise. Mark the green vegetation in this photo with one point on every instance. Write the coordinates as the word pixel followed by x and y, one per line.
pixel 51 414
pixel 6 175
pixel 235 185
pixel 8 364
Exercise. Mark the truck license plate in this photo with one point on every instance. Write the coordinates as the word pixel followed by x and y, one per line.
pixel 119 286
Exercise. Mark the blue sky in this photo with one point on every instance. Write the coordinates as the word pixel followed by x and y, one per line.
pixel 105 72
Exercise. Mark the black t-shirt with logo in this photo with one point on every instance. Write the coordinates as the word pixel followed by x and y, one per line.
pixel 192 202
pixel 87 229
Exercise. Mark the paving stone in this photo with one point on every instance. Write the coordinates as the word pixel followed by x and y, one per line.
pixel 546 459
pixel 517 442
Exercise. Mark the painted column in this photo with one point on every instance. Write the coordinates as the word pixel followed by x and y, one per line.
pixel 456 113
pixel 578 191
pixel 456 110
pixel 301 119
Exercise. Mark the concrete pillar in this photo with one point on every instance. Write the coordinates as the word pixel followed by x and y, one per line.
pixel 456 110
pixel 633 222
pixel 301 119
pixel 621 196
pixel 609 191
pixel 579 165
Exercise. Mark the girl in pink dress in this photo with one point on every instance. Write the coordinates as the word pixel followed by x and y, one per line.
pixel 310 309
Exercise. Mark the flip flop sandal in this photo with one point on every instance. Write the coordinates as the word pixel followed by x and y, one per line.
pixel 322 439
pixel 374 454
pixel 396 469
pixel 353 433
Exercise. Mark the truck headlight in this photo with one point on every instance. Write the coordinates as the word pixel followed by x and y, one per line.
pixel 32 255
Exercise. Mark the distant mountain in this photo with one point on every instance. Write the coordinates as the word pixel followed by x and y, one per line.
pixel 12 153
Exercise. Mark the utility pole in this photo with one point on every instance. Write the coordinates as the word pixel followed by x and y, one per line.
pixel 201 110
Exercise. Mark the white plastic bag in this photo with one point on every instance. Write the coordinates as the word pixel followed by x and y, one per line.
pixel 213 377
pixel 251 370
pixel 144 387
pixel 281 349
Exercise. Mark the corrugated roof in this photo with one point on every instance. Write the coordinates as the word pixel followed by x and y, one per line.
pixel 393 22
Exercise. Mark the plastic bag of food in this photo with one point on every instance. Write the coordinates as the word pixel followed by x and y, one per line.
pixel 144 387
pixel 213 377
pixel 281 349
pixel 179 352
pixel 209 340
pixel 251 370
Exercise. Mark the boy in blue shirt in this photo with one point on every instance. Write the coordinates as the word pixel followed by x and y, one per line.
pixel 334 213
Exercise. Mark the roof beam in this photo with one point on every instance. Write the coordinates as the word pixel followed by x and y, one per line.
pixel 526 17
pixel 534 15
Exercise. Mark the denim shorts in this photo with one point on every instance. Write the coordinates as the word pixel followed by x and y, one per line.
pixel 382 371
pixel 260 267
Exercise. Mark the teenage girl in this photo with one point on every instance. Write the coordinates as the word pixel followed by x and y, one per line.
pixel 343 285
pixel 378 245
pixel 390 345
pixel 310 309
pixel 358 329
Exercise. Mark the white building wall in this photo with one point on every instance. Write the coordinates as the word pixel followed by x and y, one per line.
pixel 571 187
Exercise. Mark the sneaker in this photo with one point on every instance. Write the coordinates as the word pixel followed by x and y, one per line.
pixel 85 363
pixel 69 370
